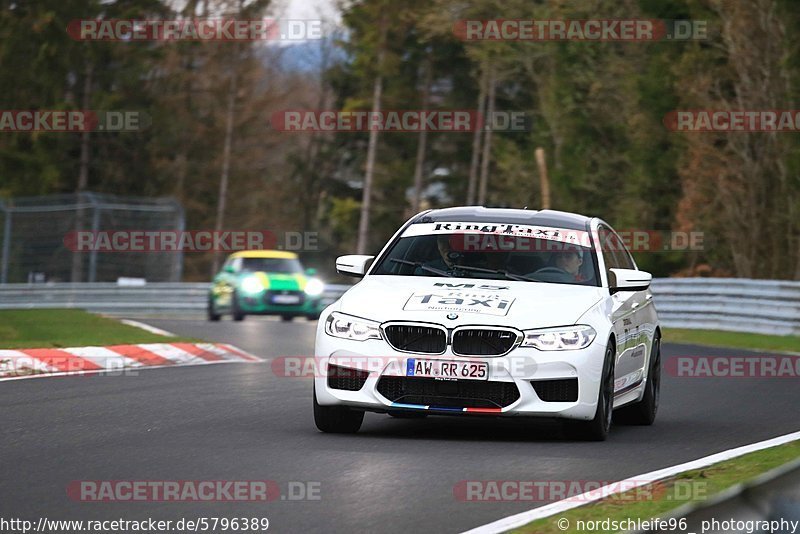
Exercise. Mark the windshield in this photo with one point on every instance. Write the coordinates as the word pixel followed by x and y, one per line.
pixel 491 256
pixel 272 265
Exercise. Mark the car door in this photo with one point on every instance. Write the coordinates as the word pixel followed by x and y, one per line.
pixel 624 306
pixel 634 327
pixel 225 283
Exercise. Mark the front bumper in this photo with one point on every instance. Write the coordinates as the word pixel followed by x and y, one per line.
pixel 259 304
pixel 519 368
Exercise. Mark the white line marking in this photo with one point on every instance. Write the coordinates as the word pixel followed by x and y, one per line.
pixel 518 520
pixel 149 328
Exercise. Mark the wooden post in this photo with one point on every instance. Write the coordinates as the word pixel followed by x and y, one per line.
pixel 544 179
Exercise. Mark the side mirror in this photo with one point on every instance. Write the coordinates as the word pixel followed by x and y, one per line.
pixel 628 280
pixel 228 269
pixel 353 264
pixel 311 271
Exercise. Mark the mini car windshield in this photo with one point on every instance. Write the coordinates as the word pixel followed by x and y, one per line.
pixel 272 265
pixel 492 257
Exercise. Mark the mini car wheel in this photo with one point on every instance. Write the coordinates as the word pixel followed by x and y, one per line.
pixel 336 419
pixel 287 318
pixel 212 314
pixel 238 314
pixel 644 411
pixel 597 429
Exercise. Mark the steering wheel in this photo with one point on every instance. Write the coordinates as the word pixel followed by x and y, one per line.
pixel 554 270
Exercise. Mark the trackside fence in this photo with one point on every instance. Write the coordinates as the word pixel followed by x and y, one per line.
pixel 732 304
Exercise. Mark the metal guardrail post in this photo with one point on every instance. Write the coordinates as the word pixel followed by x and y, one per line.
pixel 93 256
pixel 4 259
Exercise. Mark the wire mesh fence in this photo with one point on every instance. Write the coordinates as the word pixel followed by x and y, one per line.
pixel 35 233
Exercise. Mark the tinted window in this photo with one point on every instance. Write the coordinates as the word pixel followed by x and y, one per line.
pixel 490 256
pixel 272 265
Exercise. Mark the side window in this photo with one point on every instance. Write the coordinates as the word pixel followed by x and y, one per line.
pixel 621 252
pixel 608 248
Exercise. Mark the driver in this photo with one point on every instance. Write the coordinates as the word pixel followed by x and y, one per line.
pixel 445 260
pixel 570 260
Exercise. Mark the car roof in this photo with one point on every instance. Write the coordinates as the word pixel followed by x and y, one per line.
pixel 554 218
pixel 280 254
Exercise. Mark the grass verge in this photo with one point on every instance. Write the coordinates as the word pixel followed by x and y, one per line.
pixel 661 497
pixel 735 340
pixel 55 328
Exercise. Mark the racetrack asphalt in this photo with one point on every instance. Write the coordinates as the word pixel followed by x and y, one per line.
pixel 242 422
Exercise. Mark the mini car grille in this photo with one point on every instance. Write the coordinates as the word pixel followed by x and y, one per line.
pixel 482 342
pixel 448 393
pixel 270 294
pixel 346 378
pixel 416 338
pixel 562 390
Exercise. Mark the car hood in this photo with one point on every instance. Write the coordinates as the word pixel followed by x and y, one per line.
pixel 522 305
pixel 278 281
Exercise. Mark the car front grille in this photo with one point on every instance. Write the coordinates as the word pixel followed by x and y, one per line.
pixel 346 378
pixel 448 393
pixel 416 338
pixel 561 390
pixel 483 342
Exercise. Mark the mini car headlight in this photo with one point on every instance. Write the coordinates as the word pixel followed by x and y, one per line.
pixel 560 338
pixel 349 327
pixel 314 287
pixel 252 284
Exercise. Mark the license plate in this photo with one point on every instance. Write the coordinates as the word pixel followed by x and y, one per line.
pixel 444 369
pixel 286 299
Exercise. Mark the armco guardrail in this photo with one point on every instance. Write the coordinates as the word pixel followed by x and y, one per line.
pixel 157 297
pixel 772 497
pixel 733 304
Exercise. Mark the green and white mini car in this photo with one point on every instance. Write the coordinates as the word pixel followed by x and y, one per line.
pixel 265 282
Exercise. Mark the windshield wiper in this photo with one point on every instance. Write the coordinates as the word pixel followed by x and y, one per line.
pixel 507 274
pixel 422 266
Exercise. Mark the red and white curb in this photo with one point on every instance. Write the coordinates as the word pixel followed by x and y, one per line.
pixel 34 363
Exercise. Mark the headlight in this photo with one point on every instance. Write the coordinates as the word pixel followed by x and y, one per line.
pixel 349 327
pixel 252 284
pixel 561 338
pixel 314 287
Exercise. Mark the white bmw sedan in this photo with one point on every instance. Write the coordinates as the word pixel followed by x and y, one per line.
pixel 476 311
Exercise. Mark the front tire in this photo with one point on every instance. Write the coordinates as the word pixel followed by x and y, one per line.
pixel 644 412
pixel 598 428
pixel 336 419
pixel 212 314
pixel 238 314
